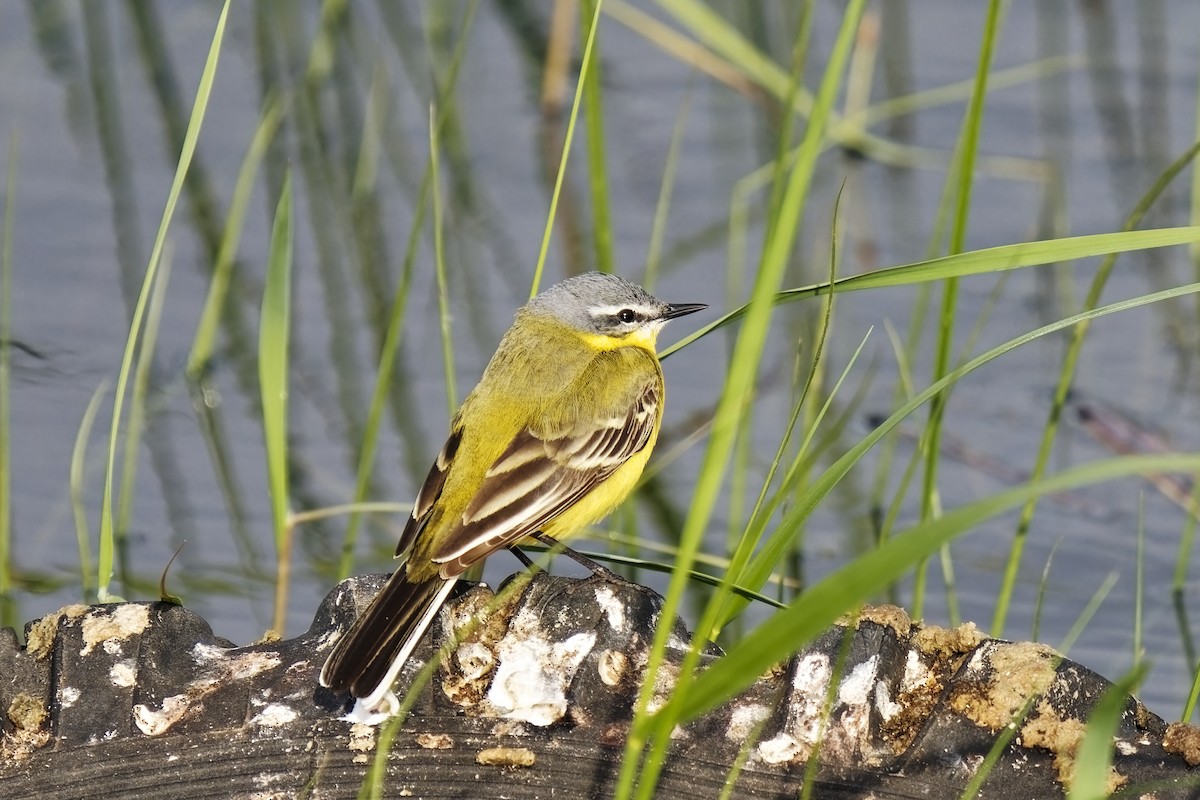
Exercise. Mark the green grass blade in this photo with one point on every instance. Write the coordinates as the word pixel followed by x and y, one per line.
pixel 1093 762
pixel 772 551
pixel 6 254
pixel 1187 539
pixel 1006 78
pixel 1081 622
pixel 1194 205
pixel 1039 602
pixel 1189 706
pixel 972 125
pixel 204 341
pixel 654 731
pixel 75 488
pixel 721 610
pixel 1065 379
pixel 396 318
pixel 781 635
pixel 195 122
pixel 439 262
pixel 136 422
pixel 273 381
pixel 967 150
pixel 1139 588
pixel 593 120
pixel 715 32
pixel 974 262
pixel 887 455
pixel 666 188
pixel 586 65
pixel 1015 256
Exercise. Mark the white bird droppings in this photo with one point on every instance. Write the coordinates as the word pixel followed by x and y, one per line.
pixel 124 673
pixel 534 673
pixel 153 723
pixel 274 716
pixel 613 608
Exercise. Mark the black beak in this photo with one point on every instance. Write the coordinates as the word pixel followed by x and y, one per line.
pixel 681 309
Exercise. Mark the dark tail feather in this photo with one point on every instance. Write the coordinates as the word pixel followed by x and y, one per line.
pixel 367 658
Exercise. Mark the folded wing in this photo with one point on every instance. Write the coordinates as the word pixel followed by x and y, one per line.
pixel 544 472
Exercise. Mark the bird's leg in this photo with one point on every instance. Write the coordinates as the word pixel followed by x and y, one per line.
pixel 597 569
pixel 525 560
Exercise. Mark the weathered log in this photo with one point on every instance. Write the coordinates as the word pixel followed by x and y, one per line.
pixel 142 700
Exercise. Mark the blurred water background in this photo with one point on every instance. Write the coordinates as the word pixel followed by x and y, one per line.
pixel 1091 101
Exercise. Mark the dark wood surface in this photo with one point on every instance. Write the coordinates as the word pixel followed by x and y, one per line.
pixel 142 700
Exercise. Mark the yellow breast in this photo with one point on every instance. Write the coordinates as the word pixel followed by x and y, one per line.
pixel 604 499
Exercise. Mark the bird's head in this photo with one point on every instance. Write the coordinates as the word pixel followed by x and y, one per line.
pixel 610 311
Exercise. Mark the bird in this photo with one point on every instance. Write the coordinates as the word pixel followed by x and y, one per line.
pixel 553 437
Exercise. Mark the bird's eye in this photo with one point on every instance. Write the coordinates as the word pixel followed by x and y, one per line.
pixel 627 315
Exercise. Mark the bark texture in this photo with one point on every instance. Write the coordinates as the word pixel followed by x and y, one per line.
pixel 140 700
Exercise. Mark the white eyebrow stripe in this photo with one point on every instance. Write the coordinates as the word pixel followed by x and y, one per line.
pixel 608 311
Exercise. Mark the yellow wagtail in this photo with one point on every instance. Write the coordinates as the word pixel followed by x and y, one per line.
pixel 552 439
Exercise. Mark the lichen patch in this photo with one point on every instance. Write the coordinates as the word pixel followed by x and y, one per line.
pixel 613 666
pixel 666 678
pixel 28 716
pixel 782 748
pixel 802 725
pixel 40 640
pixel 68 696
pixel 855 689
pixel 362 742
pixel 1000 680
pixel 947 643
pixel 1049 730
pixel 887 708
pixel 241 667
pixel 1183 740
pixel 513 757
pixel 848 738
pixel 888 616
pixel 474 660
pixel 110 627
pixel 435 741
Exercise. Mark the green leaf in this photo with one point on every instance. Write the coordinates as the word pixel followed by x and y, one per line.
pixel 974 262
pixel 772 551
pixel 649 737
pixel 788 630
pixel 273 359
pixel 206 331
pixel 104 567
pixel 1093 761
